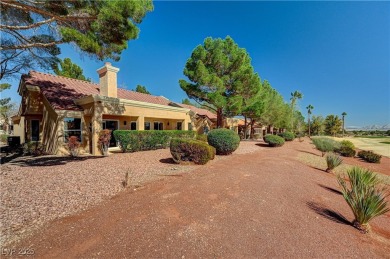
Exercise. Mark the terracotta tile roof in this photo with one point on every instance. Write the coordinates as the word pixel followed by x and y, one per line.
pixel 199 111
pixel 62 91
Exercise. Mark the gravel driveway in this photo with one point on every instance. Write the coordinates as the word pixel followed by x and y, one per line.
pixel 38 190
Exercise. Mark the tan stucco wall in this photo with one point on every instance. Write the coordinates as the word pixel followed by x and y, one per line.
pixel 19 129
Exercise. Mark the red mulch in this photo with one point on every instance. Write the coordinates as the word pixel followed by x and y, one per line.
pixel 264 204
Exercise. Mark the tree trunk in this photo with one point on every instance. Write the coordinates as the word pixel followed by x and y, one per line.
pixel 309 125
pixel 252 129
pixel 245 127
pixel 219 118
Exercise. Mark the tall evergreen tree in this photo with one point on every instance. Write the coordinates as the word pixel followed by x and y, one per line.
pixel 32 30
pixel 141 89
pixel 7 109
pixel 218 73
pixel 68 69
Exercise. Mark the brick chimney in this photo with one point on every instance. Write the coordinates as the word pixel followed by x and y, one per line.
pixel 107 80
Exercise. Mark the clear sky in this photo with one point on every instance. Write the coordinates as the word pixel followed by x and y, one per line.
pixel 336 53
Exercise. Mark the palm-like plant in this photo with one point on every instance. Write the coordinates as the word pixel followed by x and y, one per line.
pixel 343 114
pixel 363 196
pixel 333 160
pixel 309 108
pixel 294 97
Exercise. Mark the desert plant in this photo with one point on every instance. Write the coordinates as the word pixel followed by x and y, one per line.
pixel 369 156
pixel 225 141
pixel 347 151
pixel 274 140
pixel 347 143
pixel 288 136
pixel 325 145
pixel 332 160
pixel 190 150
pixel 104 140
pixel 363 196
pixel 73 146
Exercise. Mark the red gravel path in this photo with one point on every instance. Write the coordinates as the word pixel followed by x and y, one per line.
pixel 263 204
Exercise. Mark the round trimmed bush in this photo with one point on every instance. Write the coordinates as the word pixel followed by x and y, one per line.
pixel 274 140
pixel 225 141
pixel 288 136
pixel 190 150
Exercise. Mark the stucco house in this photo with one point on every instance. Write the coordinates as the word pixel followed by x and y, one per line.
pixel 55 107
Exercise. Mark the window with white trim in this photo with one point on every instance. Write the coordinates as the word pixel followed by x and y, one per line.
pixel 72 127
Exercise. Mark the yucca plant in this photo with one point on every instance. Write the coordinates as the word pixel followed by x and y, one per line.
pixel 333 160
pixel 364 196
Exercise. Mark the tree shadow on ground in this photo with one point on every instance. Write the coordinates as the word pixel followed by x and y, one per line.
pixel 262 145
pixel 311 153
pixel 331 189
pixel 52 161
pixel 327 213
pixel 167 161
pixel 9 153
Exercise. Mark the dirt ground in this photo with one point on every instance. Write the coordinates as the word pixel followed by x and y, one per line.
pixel 262 204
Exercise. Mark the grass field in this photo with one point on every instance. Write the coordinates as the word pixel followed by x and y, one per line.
pixel 379 145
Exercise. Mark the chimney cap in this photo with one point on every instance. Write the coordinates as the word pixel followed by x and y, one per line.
pixel 107 67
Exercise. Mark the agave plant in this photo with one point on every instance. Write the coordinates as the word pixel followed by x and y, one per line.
pixel 333 160
pixel 363 196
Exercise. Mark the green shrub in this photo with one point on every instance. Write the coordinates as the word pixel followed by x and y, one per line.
pixel 363 196
pixel 288 136
pixel 137 140
pixel 190 150
pixel 225 141
pixel 369 156
pixel 202 137
pixel 326 145
pixel 333 161
pixel 347 143
pixel 3 138
pixel 34 149
pixel 347 149
pixel 274 140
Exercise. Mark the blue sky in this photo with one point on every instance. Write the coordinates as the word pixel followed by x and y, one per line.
pixel 336 53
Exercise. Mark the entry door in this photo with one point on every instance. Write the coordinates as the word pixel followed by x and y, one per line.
pixel 111 125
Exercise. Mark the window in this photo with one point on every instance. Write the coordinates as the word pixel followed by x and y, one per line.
pixel 72 127
pixel 158 125
pixel 179 125
pixel 133 125
pixel 147 125
pixel 34 130
pixel 189 126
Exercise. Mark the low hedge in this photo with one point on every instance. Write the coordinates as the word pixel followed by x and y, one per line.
pixel 274 140
pixel 225 141
pixel 137 140
pixel 202 137
pixel 190 150
pixel 347 148
pixel 324 144
pixel 288 136
pixel 369 156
